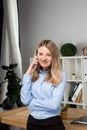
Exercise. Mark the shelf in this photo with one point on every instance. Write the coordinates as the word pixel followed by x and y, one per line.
pixel 73 57
pixel 78 66
pixel 74 103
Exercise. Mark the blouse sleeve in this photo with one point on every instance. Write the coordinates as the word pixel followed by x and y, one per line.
pixel 25 93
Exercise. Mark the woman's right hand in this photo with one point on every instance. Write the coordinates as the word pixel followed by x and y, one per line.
pixel 32 66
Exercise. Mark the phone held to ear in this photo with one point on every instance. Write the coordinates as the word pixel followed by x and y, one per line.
pixel 34 58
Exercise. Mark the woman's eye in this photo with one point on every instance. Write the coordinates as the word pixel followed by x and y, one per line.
pixel 49 55
pixel 40 54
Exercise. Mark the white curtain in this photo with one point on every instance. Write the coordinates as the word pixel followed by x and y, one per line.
pixel 10 51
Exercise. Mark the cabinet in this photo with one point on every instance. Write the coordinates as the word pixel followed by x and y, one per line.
pixel 76 65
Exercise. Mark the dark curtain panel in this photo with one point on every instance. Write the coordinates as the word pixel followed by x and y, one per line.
pixel 1 22
pixel 19 23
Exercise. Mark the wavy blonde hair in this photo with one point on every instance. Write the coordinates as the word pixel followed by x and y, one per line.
pixel 54 75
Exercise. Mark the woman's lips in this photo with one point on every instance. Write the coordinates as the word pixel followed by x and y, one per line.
pixel 44 62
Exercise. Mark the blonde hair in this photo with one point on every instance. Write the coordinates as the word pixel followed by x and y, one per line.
pixel 54 75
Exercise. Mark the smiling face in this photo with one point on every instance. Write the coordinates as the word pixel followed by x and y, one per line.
pixel 44 58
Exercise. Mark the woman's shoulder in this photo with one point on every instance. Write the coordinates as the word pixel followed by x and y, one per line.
pixel 27 76
pixel 64 74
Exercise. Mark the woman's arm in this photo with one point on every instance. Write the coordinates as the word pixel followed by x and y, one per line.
pixel 25 93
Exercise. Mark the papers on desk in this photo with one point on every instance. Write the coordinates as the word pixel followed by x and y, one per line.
pixel 81 120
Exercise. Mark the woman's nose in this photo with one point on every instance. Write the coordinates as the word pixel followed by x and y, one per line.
pixel 44 57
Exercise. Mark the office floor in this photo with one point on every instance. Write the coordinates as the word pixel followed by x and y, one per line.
pixel 16 128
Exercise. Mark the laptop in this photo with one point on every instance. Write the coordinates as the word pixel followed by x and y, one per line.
pixel 81 120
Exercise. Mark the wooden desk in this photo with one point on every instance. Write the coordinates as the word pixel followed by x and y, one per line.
pixel 73 113
pixel 18 117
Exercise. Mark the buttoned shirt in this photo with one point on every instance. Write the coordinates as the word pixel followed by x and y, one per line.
pixel 42 98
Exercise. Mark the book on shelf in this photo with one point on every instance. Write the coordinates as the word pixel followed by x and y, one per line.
pixel 73 88
pixel 85 68
pixel 77 94
pixel 79 98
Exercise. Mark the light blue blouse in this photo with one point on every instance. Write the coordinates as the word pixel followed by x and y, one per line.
pixel 41 97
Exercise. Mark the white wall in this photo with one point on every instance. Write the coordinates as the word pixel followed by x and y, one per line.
pixel 59 20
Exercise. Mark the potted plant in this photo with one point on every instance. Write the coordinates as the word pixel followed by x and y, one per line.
pixel 13 88
pixel 68 49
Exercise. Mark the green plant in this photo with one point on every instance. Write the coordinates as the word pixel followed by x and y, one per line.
pixel 68 49
pixel 13 88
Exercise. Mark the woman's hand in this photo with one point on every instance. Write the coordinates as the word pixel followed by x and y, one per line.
pixel 32 66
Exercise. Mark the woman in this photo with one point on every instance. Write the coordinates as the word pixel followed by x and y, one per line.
pixel 43 88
